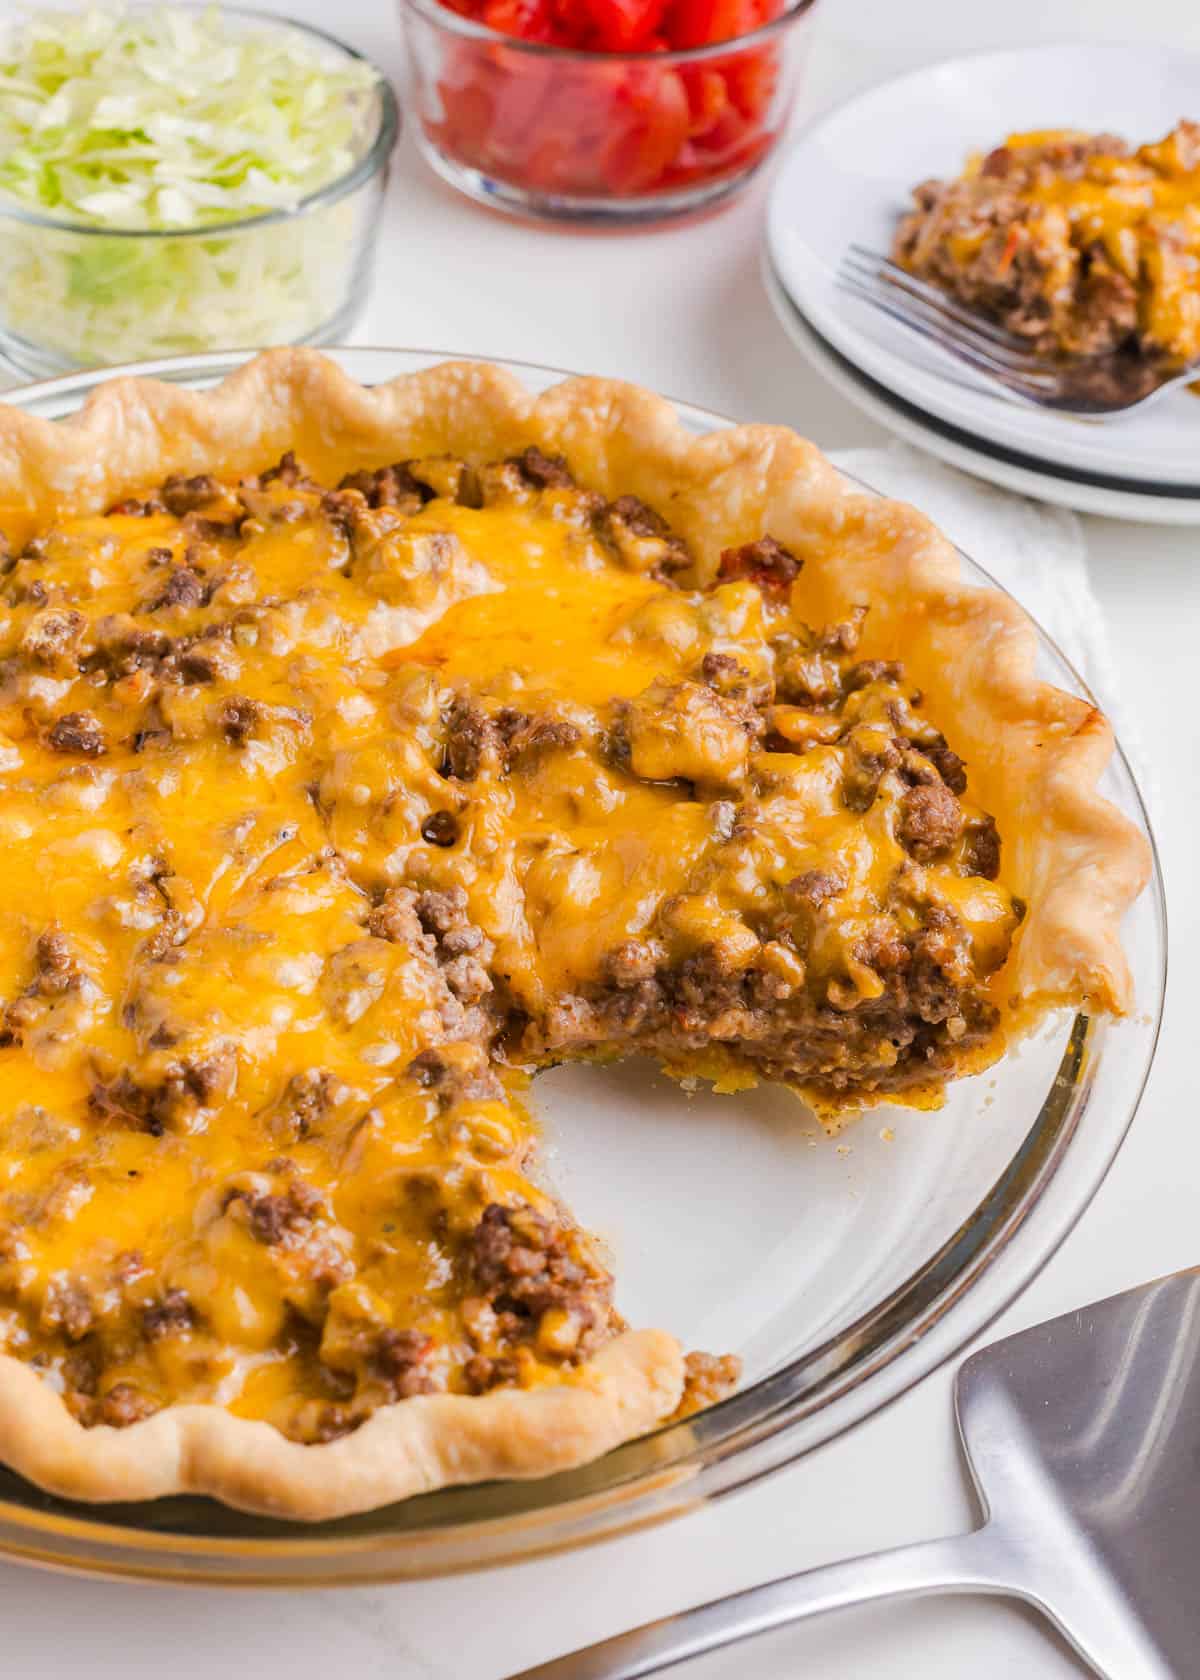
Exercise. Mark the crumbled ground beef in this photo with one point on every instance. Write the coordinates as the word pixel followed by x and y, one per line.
pixel 633 962
pixel 401 1359
pixel 393 487
pixel 807 677
pixel 117 645
pixel 843 637
pixel 124 1404
pixel 287 472
pixel 765 562
pixel 56 974
pixel 395 917
pixel 201 533
pixel 722 672
pixel 640 537
pixel 203 660
pixel 707 1378
pixel 931 821
pixel 139 507
pixel 946 762
pixel 54 963
pixel 455 1078
pixel 638 517
pixel 982 849
pixel 169 1101
pixel 872 670
pixel 939 966
pixel 170 1315
pixel 539 736
pixel 79 733
pixel 778 1014
pixel 870 753
pixel 342 508
pixel 540 1285
pixel 182 495
pixel 483 1372
pixel 471 735
pixel 543 472
pixel 307 1100
pixel 816 887
pixel 445 915
pixel 68 1305
pixel 239 719
pixel 52 637
pixel 81 1376
pixel 439 925
pixel 168 936
pixel 277 1218
pixel 185 587
pixel 328 1423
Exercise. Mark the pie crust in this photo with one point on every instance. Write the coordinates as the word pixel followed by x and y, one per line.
pixel 1036 756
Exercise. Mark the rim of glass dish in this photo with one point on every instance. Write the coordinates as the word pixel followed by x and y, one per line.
pixel 719 1451
pixel 373 158
pixel 442 17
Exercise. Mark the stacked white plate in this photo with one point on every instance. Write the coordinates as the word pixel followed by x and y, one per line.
pixel 849 177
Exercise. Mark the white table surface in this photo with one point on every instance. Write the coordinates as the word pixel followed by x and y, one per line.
pixel 684 310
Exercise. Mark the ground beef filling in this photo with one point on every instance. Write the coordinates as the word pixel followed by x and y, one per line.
pixel 1076 245
pixel 925 1004
pixel 465 1278
pixel 533 1284
pixel 893 1005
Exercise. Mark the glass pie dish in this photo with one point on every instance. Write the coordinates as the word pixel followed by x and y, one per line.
pixel 840 1272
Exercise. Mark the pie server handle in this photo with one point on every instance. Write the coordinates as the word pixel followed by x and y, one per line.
pixel 984 1561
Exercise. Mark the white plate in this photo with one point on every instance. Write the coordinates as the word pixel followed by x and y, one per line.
pixel 851 174
pixel 959 448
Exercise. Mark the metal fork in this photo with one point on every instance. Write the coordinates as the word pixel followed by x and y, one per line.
pixel 1087 387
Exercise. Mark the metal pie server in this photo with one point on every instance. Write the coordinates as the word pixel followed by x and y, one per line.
pixel 1083 1436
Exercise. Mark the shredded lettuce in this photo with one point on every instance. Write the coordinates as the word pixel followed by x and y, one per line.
pixel 166 120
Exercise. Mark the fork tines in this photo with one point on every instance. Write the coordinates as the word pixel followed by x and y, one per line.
pixel 875 280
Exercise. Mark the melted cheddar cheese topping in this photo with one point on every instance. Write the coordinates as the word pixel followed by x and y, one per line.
pixel 1073 240
pixel 326 817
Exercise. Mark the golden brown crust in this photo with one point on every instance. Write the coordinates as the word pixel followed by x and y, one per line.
pixel 414 1446
pixel 1035 754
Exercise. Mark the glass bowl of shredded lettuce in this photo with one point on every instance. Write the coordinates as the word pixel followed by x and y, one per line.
pixel 177 179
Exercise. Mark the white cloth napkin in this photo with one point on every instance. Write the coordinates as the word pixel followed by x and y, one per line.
pixel 1036 551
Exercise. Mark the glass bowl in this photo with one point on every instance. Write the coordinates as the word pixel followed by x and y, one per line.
pixel 593 137
pixel 79 296
pixel 845 1271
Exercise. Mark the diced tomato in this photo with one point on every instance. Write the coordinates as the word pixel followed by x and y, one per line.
pixel 706 94
pixel 696 23
pixel 623 25
pixel 529 20
pixel 472 121
pixel 651 125
pixel 574 20
pixel 600 126
pixel 751 78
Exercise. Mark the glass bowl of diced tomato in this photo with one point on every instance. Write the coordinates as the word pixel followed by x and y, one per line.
pixel 602 110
